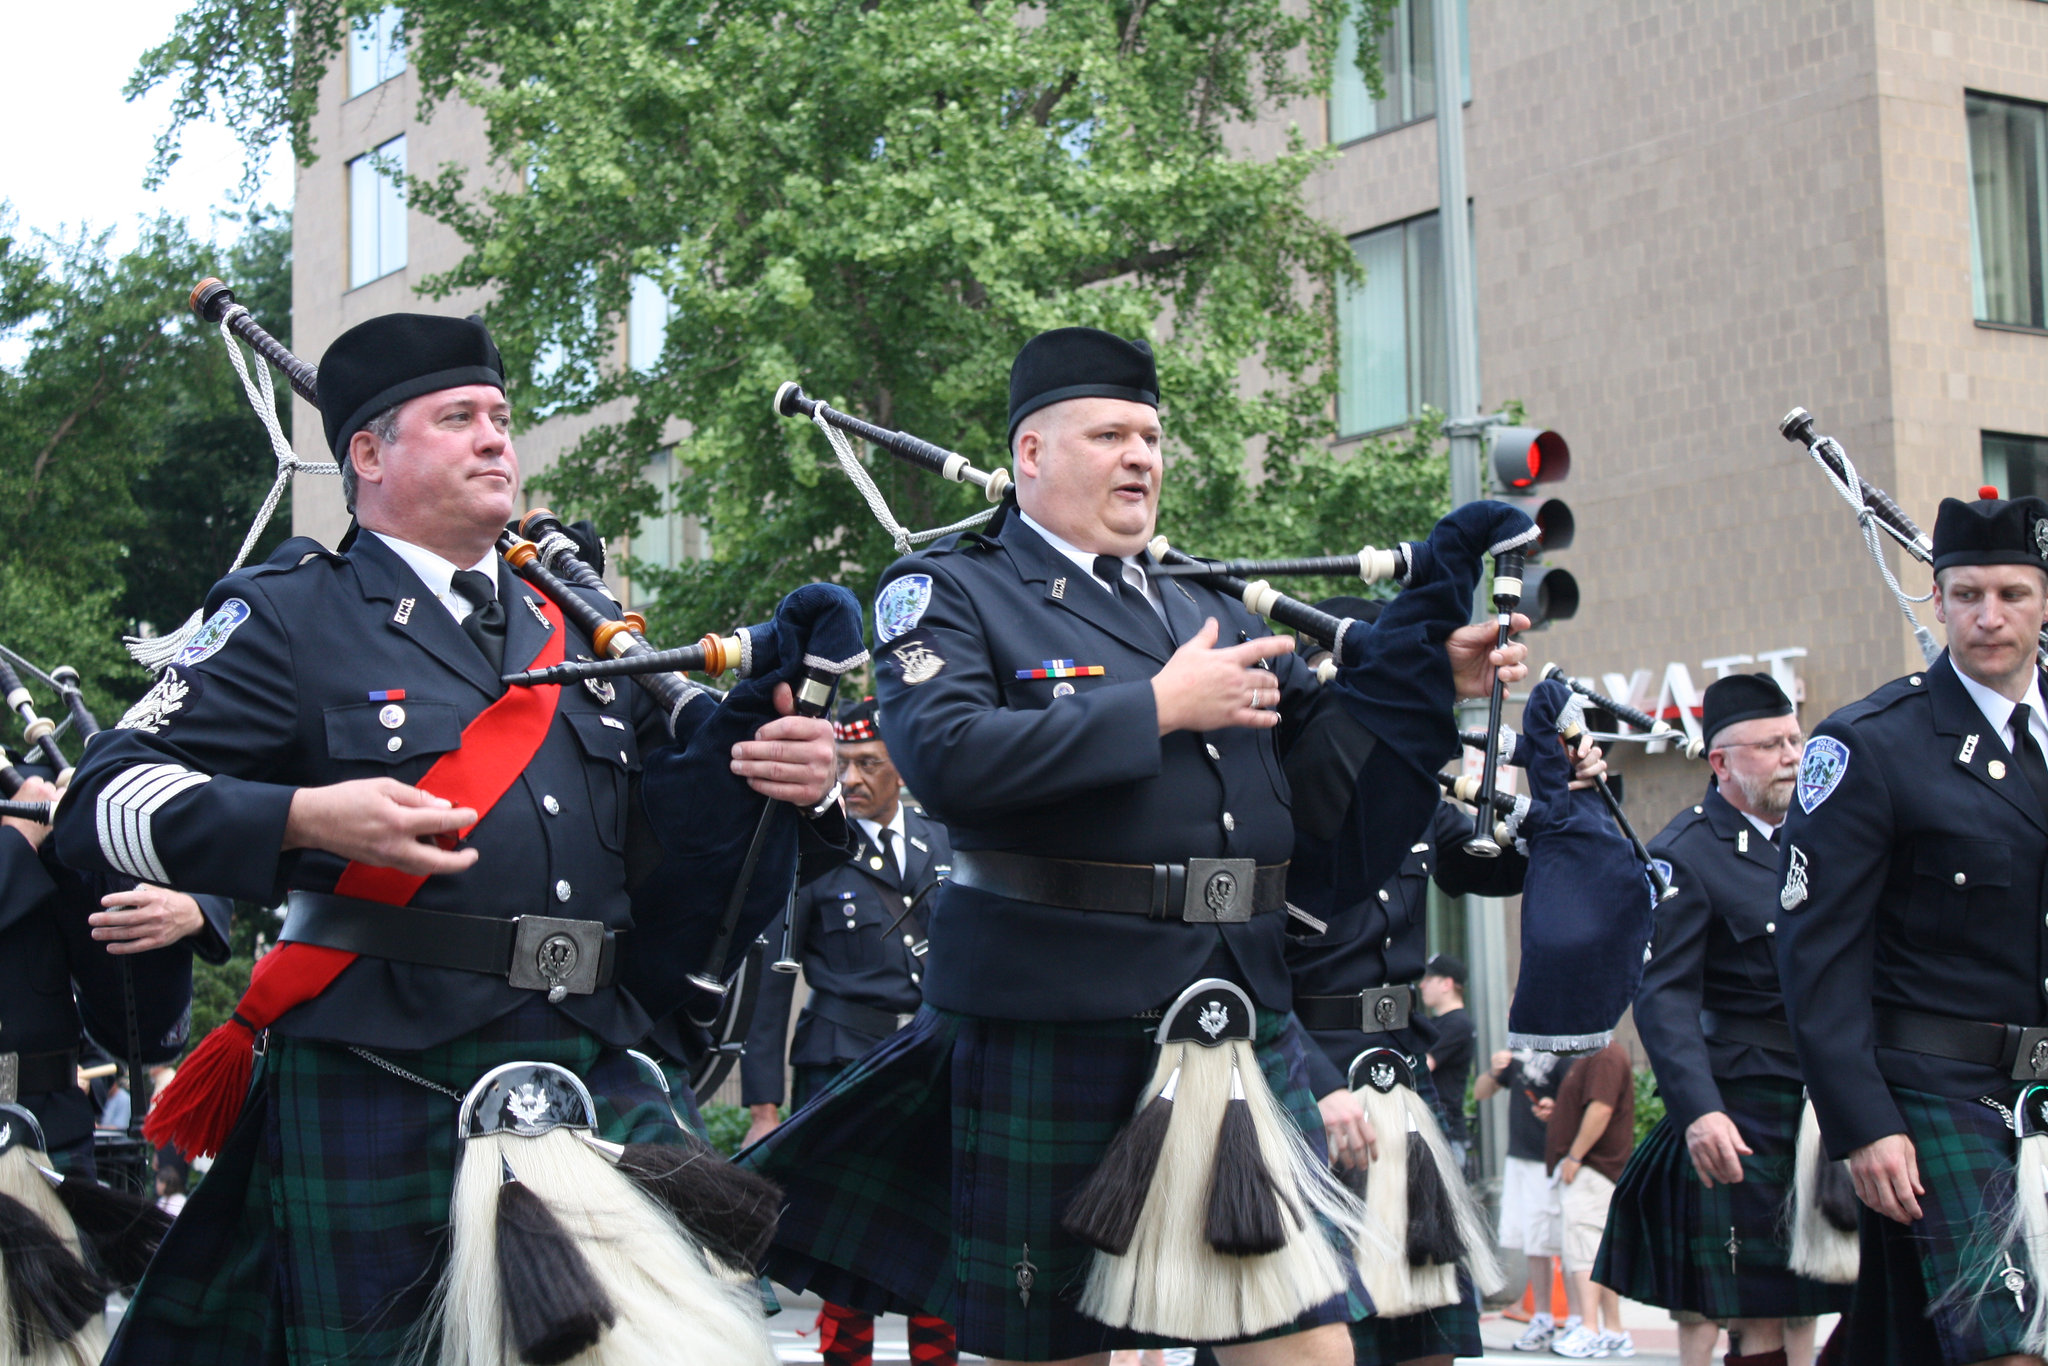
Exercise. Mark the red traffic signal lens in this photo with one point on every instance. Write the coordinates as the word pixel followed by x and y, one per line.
pixel 1526 456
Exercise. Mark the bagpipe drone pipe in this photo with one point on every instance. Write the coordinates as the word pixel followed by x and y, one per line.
pixel 1587 899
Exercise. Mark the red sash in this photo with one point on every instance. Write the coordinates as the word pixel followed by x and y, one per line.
pixel 199 1108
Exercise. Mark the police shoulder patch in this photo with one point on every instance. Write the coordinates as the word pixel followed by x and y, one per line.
pixel 1663 867
pixel 901 605
pixel 214 634
pixel 1820 770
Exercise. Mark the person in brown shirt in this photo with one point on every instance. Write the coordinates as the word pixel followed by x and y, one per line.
pixel 1591 1134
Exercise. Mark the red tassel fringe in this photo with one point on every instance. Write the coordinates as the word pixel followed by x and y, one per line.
pixel 198 1110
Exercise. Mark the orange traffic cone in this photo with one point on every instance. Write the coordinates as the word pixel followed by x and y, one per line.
pixel 1526 1309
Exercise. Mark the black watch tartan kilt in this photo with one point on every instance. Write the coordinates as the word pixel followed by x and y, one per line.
pixel 321 1230
pixel 930 1176
pixel 1967 1154
pixel 1668 1239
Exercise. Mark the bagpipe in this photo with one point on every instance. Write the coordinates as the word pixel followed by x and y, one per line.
pixel 1591 888
pixel 1878 516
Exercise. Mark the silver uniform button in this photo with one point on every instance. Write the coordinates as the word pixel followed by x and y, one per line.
pixel 1390 941
pixel 1960 879
pixel 1383 894
pixel 906 901
pixel 395 743
pixel 1229 821
pixel 550 805
pixel 393 716
pixel 915 979
pixel 908 940
pixel 562 891
pixel 1770 927
pixel 1214 753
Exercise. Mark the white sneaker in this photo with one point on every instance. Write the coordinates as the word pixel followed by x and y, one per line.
pixel 1618 1344
pixel 1578 1341
pixel 1542 1328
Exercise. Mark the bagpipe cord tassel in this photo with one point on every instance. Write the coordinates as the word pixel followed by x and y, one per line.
pixel 569 1207
pixel 1824 1240
pixel 52 1302
pixel 1171 1280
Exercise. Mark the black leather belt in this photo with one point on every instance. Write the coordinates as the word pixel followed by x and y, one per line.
pixel 1747 1029
pixel 1376 1010
pixel 867 1019
pixel 33 1074
pixel 533 952
pixel 1202 891
pixel 2021 1051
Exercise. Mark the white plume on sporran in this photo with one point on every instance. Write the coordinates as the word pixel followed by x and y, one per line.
pixel 2013 1259
pixel 1211 1215
pixel 1416 1188
pixel 557 1256
pixel 1824 1241
pixel 51 1302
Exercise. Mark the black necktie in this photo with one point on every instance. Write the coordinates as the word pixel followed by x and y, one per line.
pixel 1110 570
pixel 485 623
pixel 2028 755
pixel 886 838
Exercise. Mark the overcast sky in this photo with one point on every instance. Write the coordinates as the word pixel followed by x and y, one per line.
pixel 76 152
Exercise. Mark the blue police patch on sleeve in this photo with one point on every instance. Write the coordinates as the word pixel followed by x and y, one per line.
pixel 1663 867
pixel 901 606
pixel 215 632
pixel 1820 769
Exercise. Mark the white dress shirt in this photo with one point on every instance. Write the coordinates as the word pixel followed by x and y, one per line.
pixel 439 574
pixel 895 824
pixel 1997 709
pixel 1134 572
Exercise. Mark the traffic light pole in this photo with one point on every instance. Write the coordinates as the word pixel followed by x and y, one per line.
pixel 1485 932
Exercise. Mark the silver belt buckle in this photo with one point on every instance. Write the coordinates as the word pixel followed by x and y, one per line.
pixel 10 1077
pixel 1219 891
pixel 557 956
pixel 1381 1010
pixel 2030 1062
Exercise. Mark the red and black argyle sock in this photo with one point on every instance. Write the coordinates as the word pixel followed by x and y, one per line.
pixel 846 1337
pixel 1775 1357
pixel 932 1342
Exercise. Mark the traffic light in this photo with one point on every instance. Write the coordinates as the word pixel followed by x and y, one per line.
pixel 1522 458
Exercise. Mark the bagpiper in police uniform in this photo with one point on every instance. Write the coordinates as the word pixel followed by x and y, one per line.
pixel 1698 1222
pixel 1915 960
pixel 431 940
pixel 858 931
pixel 113 958
pixel 1121 826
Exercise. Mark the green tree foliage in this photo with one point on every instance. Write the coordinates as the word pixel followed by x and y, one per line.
pixel 882 201
pixel 130 465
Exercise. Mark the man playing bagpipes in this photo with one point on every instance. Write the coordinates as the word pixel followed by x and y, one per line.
pixel 486 886
pixel 1700 1222
pixel 66 1239
pixel 1912 945
pixel 1112 752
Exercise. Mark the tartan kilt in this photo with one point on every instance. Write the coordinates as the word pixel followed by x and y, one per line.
pixel 321 1230
pixel 1667 1233
pixel 930 1176
pixel 1966 1155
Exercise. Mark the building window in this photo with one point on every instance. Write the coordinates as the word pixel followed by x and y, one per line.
pixel 668 538
pixel 1393 354
pixel 647 316
pixel 2016 465
pixel 1407 72
pixel 376 49
pixel 2008 179
pixel 376 213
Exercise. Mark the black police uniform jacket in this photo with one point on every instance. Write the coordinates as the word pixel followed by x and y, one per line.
pixel 1712 950
pixel 1915 880
pixel 1023 764
pixel 195 786
pixel 841 931
pixel 56 979
pixel 1384 941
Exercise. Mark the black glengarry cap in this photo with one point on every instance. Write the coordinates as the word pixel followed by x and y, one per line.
pixel 857 721
pixel 1991 530
pixel 1080 362
pixel 1740 697
pixel 398 356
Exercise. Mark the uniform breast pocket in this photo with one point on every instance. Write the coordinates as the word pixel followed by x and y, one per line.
pixel 1756 947
pixel 388 735
pixel 1959 888
pixel 846 938
pixel 610 754
pixel 1050 681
